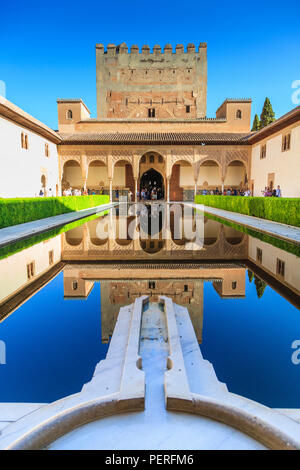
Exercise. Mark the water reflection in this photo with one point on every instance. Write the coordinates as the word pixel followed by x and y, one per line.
pixel 229 281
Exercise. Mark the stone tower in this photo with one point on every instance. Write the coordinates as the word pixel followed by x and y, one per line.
pixel 151 85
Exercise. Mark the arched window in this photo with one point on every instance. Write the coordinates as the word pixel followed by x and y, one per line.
pixel 69 114
pixel 46 150
pixel 239 114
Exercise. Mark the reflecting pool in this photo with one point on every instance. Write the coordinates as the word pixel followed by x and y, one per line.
pixel 60 295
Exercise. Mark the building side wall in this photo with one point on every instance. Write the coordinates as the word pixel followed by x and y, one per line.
pixel 22 169
pixel 285 165
pixel 13 270
pixel 270 254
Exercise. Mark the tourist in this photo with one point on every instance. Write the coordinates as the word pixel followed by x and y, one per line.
pixel 278 191
pixel 41 193
pixel 130 194
pixel 117 194
pixel 228 192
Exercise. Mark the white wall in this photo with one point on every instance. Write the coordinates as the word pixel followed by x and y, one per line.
pixel 13 270
pixel 285 165
pixel 21 169
pixel 269 261
pixel 210 174
pixel 97 174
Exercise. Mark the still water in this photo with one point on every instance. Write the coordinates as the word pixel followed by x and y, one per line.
pixel 60 297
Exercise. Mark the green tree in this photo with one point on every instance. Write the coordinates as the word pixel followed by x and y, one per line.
pixel 267 116
pixel 260 286
pixel 256 123
pixel 250 275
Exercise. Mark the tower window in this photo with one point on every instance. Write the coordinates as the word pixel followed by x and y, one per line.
pixel 24 141
pixel 233 285
pixel 74 285
pixel 259 255
pixel 286 142
pixel 263 151
pixel 51 257
pixel 69 114
pixel 188 109
pixel 239 114
pixel 46 150
pixel 151 112
pixel 151 285
pixel 30 270
pixel 280 267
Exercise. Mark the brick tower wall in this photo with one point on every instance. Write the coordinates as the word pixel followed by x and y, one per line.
pixel 129 84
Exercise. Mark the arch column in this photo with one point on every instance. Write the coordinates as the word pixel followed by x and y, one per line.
pixel 110 188
pixel 222 181
pixel 84 169
pixel 135 189
pixel 168 189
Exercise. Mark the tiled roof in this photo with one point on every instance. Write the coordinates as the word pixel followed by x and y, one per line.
pixel 16 114
pixel 164 138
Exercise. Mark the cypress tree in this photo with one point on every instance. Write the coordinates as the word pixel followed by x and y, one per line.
pixel 256 123
pixel 260 286
pixel 250 275
pixel 267 116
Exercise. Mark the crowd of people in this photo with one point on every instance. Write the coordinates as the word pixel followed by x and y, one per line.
pixel 269 192
pixel 154 193
pixel 151 194
pixel 226 192
pixel 81 192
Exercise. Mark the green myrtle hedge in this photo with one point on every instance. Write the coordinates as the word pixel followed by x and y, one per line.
pixel 278 209
pixel 20 210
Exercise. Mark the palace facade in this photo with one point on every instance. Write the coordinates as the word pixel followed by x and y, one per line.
pixel 151 130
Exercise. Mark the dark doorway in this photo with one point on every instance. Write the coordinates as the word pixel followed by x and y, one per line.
pixel 152 185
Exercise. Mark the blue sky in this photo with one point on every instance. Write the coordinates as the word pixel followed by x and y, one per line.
pixel 48 48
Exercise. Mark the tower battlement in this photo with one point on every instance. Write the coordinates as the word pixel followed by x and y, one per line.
pixel 112 49
pixel 159 83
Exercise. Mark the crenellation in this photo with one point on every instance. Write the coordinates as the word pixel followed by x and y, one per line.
pixel 190 48
pixel 145 49
pixel 134 49
pixel 157 49
pixel 168 49
pixel 179 49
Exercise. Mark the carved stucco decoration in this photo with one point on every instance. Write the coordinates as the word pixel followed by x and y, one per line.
pixel 70 155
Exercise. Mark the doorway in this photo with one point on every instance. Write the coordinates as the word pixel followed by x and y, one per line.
pixel 152 185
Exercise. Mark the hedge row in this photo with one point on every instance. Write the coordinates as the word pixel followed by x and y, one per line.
pixel 277 242
pixel 284 210
pixel 20 210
